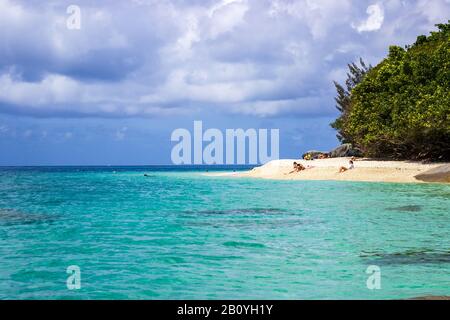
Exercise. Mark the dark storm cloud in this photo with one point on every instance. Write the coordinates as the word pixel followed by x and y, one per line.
pixel 149 58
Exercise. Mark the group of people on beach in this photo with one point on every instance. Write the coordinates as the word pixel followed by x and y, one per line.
pixel 297 167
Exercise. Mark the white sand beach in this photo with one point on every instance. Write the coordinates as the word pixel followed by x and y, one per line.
pixel 365 170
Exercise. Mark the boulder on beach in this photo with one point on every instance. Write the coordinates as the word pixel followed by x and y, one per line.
pixel 439 174
pixel 345 150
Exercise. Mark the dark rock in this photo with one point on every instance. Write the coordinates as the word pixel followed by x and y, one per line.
pixel 439 174
pixel 345 150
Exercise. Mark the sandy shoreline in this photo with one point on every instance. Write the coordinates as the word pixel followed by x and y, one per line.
pixel 365 170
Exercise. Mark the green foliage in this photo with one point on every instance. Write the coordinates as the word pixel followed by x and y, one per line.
pixel 355 75
pixel 401 108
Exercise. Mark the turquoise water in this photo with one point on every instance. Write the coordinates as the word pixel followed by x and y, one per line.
pixel 183 235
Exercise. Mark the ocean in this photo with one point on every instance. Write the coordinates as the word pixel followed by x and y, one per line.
pixel 177 233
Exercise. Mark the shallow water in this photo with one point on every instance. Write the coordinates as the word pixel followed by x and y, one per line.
pixel 182 235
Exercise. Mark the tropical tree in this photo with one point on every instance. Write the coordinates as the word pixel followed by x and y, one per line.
pixel 355 75
pixel 401 108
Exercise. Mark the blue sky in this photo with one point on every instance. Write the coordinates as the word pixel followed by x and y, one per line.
pixel 112 91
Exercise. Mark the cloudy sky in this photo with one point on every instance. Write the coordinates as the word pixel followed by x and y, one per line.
pixel 112 91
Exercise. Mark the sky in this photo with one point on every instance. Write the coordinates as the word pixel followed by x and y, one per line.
pixel 110 87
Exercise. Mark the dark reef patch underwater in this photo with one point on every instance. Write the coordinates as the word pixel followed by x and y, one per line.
pixel 245 211
pixel 409 208
pixel 407 257
pixel 14 217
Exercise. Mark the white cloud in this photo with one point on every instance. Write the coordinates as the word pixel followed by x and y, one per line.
pixel 320 16
pixel 52 90
pixel 226 16
pixel 202 24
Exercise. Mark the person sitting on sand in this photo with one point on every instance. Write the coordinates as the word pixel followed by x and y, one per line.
pixel 351 166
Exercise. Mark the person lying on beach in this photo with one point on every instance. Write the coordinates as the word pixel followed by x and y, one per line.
pixel 351 166
pixel 297 167
pixel 294 168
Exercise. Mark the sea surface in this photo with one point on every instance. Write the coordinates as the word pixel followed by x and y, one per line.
pixel 179 234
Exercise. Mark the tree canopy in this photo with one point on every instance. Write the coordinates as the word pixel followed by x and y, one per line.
pixel 355 75
pixel 401 108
